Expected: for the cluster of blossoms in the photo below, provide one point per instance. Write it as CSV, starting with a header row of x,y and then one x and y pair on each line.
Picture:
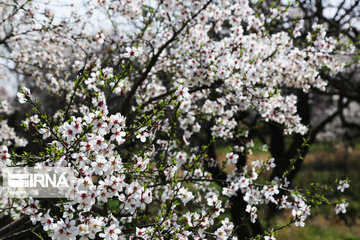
x,y
256,194
5,107
131,126
8,135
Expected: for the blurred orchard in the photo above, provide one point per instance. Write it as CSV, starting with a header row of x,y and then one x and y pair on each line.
x,y
137,96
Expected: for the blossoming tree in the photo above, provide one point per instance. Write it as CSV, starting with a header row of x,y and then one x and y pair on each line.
x,y
144,93
330,115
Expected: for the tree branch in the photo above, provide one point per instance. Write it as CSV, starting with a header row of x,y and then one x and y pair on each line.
x,y
126,104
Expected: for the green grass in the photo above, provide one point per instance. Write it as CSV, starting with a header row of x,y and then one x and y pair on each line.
x,y
326,232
